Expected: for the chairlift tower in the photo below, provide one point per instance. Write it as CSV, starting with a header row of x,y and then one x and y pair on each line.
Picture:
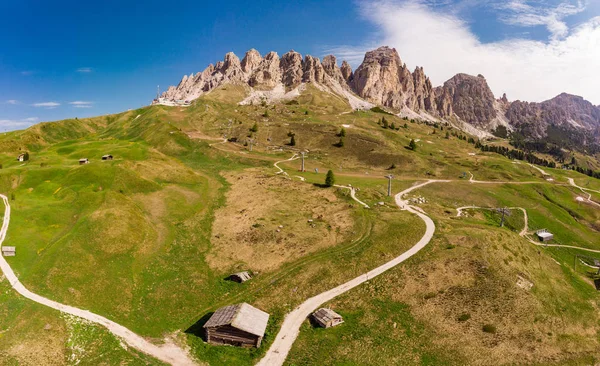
x,y
389,177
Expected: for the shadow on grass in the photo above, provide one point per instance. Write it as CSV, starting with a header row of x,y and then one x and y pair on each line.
x,y
196,329
321,185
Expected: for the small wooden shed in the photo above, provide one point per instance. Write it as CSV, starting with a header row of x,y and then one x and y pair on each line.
x,y
327,318
107,157
239,325
544,235
21,157
83,161
240,277
9,251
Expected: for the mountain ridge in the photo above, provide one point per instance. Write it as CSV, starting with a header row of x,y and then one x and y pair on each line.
x,y
383,79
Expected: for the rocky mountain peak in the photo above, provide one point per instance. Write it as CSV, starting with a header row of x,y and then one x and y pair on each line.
x,y
346,70
470,98
251,61
291,68
313,70
268,72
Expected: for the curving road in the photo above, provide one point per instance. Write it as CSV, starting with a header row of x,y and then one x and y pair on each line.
x,y
169,352
290,328
524,233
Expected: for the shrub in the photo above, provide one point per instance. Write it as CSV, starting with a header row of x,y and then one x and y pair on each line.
x,y
342,132
254,127
266,114
329,179
464,317
489,328
412,145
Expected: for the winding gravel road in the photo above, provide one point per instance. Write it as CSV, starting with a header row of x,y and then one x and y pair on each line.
x,y
288,333
169,352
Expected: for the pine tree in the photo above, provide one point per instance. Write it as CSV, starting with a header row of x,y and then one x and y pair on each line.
x,y
329,179
342,132
254,128
293,140
412,145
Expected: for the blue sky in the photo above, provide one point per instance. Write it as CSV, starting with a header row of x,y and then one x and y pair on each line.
x,y
70,58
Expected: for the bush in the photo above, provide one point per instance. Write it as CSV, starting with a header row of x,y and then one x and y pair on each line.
x,y
342,132
464,317
412,145
489,328
329,179
254,127
266,114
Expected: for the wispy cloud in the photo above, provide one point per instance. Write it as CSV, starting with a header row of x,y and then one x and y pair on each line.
x,y
27,72
12,124
85,70
82,104
528,14
48,105
525,69
12,102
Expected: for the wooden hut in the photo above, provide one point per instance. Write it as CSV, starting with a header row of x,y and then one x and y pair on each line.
x,y
21,157
9,251
83,161
107,157
239,325
544,235
327,318
240,277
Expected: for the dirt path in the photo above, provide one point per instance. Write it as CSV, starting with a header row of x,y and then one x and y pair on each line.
x,y
539,169
290,328
524,233
169,352
589,198
353,194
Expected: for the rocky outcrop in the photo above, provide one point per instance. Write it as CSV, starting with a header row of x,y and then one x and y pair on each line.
x,y
347,71
267,73
564,111
291,69
313,71
251,61
470,98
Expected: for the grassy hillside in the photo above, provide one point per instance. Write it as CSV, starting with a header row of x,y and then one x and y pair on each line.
x,y
149,238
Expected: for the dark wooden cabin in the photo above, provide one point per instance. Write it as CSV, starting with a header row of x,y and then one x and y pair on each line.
x,y
239,325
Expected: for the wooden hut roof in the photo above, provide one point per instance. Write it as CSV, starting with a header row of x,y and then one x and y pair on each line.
x,y
325,315
241,316
244,276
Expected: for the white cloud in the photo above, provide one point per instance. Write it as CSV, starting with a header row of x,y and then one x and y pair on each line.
x,y
522,13
46,104
12,102
11,124
525,69
27,73
81,104
84,69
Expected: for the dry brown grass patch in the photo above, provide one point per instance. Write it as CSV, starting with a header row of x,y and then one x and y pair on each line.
x,y
245,231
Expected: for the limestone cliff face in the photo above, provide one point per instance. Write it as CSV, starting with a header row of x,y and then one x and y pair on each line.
x,y
565,111
383,79
470,98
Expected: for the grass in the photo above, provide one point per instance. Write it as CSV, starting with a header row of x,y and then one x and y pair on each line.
x,y
129,239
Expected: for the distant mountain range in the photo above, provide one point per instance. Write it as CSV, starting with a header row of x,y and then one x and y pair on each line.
x,y
382,79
